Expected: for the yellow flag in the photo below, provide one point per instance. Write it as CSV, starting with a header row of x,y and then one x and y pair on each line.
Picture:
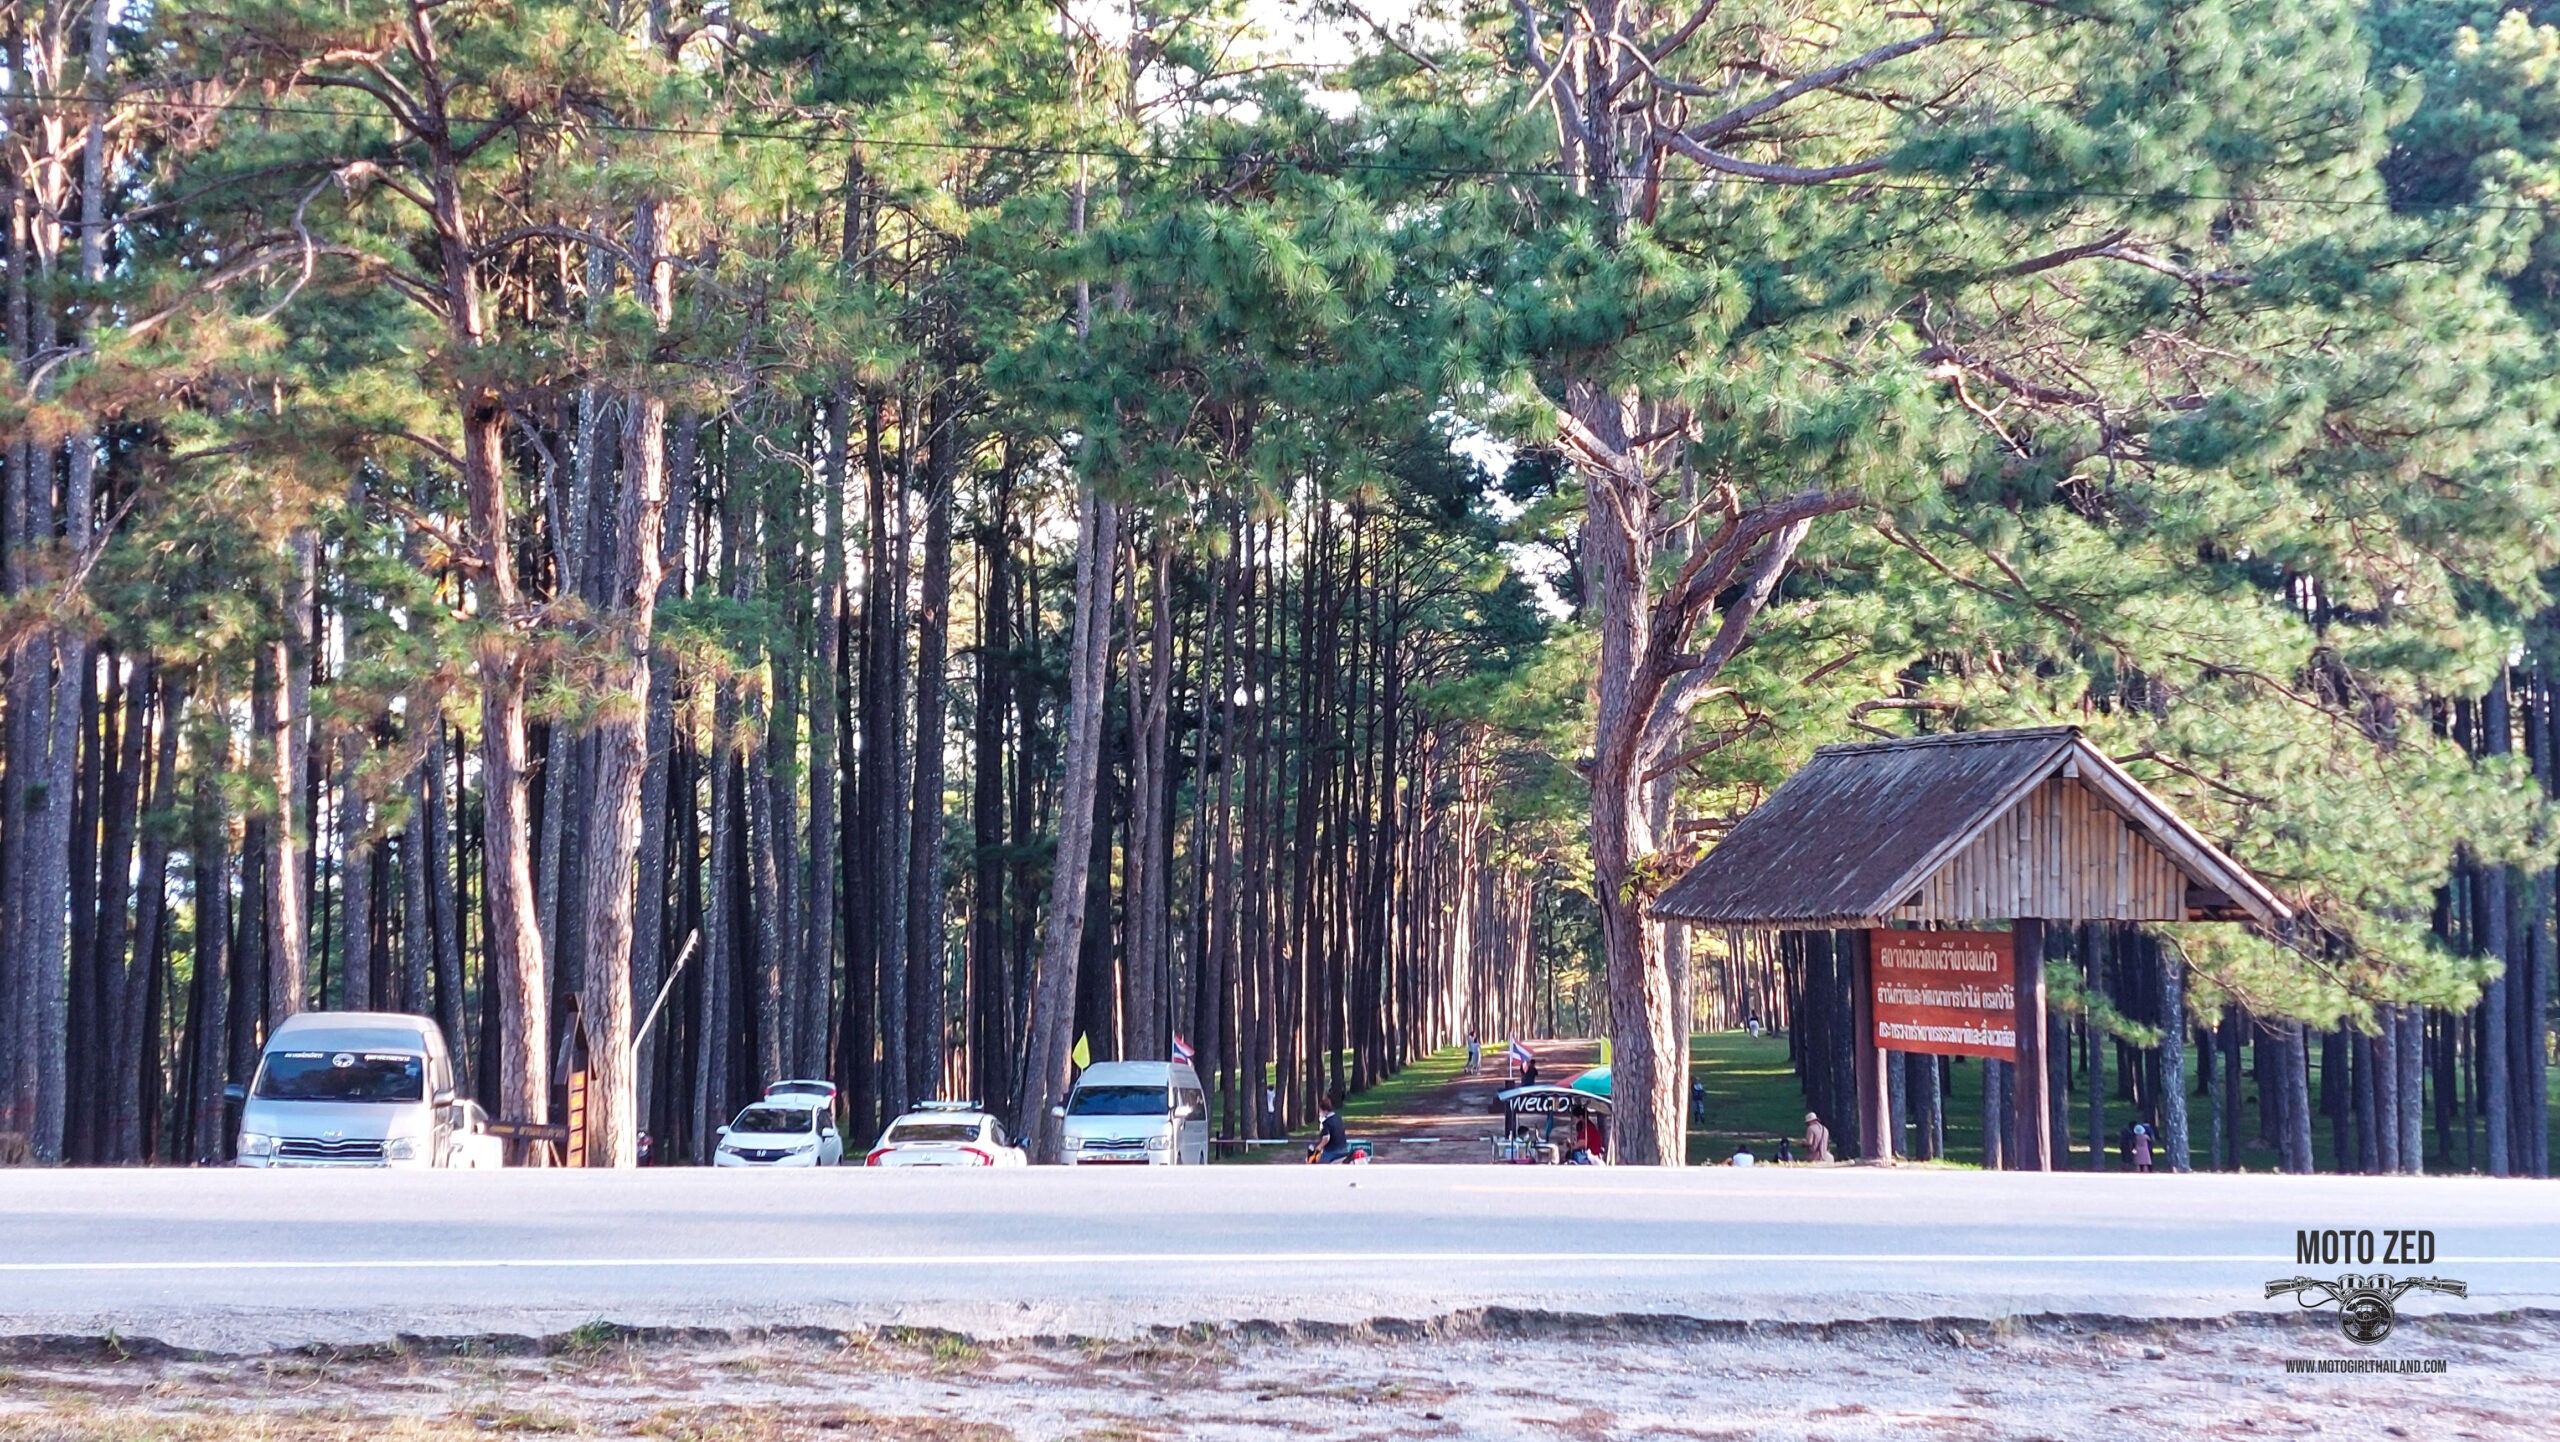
x,y
1604,1051
1083,1054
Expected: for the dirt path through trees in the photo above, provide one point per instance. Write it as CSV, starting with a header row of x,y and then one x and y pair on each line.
x,y
1451,1121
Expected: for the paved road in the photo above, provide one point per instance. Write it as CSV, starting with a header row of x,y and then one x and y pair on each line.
x,y
241,1260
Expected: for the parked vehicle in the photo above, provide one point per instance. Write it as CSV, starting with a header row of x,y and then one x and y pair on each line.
x,y
1142,1113
789,1129
359,1089
946,1134
474,1149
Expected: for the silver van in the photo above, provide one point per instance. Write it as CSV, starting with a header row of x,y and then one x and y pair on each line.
x,y
359,1088
1137,1113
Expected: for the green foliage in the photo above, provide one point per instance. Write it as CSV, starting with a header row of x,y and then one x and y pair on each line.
x,y
2191,359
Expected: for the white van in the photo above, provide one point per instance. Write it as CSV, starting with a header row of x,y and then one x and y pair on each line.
x,y
1144,1113
362,1089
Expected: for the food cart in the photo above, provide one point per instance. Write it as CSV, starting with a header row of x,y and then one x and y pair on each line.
x,y
1552,1124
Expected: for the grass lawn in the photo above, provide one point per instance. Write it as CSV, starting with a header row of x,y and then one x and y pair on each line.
x,y
1752,1097
1392,1097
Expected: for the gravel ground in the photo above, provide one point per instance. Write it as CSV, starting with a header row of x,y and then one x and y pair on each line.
x,y
1489,1375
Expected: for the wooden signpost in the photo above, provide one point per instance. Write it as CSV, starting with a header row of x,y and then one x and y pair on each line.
x,y
1946,993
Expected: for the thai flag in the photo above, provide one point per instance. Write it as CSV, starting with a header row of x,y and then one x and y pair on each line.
x,y
1519,1054
1181,1049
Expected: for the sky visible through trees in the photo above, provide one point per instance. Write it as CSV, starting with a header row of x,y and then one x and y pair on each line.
x,y
930,531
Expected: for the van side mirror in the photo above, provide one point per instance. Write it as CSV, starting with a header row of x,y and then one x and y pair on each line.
x,y
443,1097
235,1093
1184,1110
1059,1112
721,1131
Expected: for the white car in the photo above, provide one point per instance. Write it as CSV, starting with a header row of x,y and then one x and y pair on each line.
x,y
946,1134
474,1149
787,1130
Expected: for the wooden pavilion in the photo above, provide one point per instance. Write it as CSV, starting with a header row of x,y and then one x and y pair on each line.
x,y
2026,827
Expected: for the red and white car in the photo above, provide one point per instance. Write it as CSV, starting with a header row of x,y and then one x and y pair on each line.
x,y
946,1134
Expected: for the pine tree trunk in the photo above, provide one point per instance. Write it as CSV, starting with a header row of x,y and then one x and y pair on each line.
x,y
1995,1114
990,993
650,936
626,626
2174,1129
2377,1102
2293,1060
355,886
924,904
209,1004
1052,1019
417,924
2094,941
719,929
134,1131
883,797
2409,1044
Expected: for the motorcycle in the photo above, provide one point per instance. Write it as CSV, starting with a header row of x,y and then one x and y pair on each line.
x,y
1356,1153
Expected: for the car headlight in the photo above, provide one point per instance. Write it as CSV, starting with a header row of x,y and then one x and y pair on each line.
x,y
1159,1142
256,1144
400,1149
1073,1144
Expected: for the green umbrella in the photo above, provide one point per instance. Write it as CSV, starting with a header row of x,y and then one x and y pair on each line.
x,y
1594,1081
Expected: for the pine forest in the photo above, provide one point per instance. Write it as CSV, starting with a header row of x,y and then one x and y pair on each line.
x,y
900,541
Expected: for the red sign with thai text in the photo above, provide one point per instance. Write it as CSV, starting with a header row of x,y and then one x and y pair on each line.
x,y
1946,993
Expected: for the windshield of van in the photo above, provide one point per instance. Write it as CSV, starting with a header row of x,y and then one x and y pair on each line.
x,y
342,1076
1110,1101
768,1121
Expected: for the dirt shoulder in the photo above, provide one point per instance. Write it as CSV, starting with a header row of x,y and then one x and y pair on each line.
x,y
1487,1375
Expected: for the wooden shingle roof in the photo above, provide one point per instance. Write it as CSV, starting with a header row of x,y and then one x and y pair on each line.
x,y
1978,826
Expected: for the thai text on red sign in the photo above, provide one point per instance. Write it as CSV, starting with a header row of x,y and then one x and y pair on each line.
x,y
1946,993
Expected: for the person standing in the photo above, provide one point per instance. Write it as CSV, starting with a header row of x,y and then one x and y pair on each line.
x,y
1475,1054
2141,1147
1817,1139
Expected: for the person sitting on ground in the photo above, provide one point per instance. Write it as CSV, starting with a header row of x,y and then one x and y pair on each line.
x,y
1817,1139
1333,1142
1742,1158
1786,1149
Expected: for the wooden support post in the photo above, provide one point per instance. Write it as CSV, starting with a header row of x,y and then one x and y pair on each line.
x,y
1875,1097
2031,1081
